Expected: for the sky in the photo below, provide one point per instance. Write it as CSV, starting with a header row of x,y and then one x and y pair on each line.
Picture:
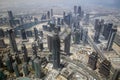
x,y
29,4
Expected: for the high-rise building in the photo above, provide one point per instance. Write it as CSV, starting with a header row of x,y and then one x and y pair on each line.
x,y
117,39
58,21
79,10
37,67
1,62
40,43
96,24
50,43
77,37
68,19
16,70
29,33
87,19
67,42
106,30
8,62
12,40
75,9
36,33
2,44
85,36
116,75
48,14
25,69
111,38
51,12
2,75
93,60
104,68
11,19
56,51
23,34
97,33
2,33
17,59
34,49
25,53
10,14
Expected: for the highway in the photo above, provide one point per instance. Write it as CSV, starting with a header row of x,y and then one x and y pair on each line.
x,y
96,48
79,64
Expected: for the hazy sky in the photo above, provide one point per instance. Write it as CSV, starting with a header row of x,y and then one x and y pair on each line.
x,y
21,4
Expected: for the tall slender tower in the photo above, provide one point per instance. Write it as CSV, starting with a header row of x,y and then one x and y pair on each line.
x,y
11,18
97,33
56,51
67,44
111,38
12,40
23,34
36,33
37,67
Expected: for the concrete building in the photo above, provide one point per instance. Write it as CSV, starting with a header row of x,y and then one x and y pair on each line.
x,y
25,69
56,51
23,34
104,68
111,38
11,36
50,43
85,36
97,32
92,62
77,37
16,70
67,42
36,33
2,34
2,44
106,30
75,9
37,67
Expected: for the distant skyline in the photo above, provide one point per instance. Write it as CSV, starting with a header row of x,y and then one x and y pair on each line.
x,y
30,4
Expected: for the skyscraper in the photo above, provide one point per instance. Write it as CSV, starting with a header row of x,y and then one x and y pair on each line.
x,y
23,34
37,67
51,12
79,10
40,43
8,62
2,33
36,33
10,14
106,30
85,36
48,14
77,37
25,69
111,38
67,44
97,33
11,36
25,53
93,60
50,43
75,9
11,18
96,23
56,51
104,68
16,70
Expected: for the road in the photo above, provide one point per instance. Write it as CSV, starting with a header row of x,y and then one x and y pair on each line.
x,y
96,48
79,64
